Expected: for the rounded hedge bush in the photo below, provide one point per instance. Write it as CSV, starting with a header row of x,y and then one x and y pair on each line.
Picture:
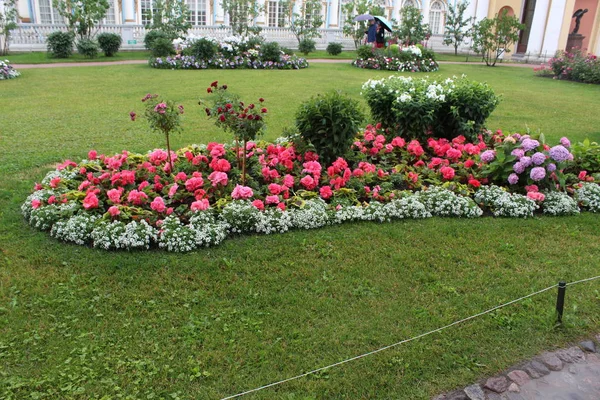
x,y
60,44
88,48
306,46
152,36
334,48
109,43
270,51
162,47
202,49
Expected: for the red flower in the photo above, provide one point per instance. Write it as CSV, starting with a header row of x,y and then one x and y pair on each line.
x,y
261,99
263,110
447,172
132,115
214,84
222,118
474,182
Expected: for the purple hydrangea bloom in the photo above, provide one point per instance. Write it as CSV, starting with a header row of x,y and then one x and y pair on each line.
x,y
513,179
518,153
526,161
518,167
488,156
517,136
537,173
559,153
538,158
565,142
530,144
551,167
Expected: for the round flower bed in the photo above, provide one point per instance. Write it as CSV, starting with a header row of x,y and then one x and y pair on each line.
x,y
7,71
220,62
407,59
129,201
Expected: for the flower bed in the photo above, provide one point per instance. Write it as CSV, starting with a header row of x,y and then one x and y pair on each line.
x,y
7,71
407,59
129,201
220,62
573,66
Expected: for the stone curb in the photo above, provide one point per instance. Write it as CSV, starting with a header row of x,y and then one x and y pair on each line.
x,y
507,385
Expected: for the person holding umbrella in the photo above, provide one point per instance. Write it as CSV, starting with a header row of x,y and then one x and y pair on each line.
x,y
380,37
371,32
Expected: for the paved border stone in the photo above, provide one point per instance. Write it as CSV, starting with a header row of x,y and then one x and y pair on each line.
x,y
536,369
551,361
588,345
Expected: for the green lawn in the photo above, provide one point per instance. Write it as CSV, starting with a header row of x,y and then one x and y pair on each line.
x,y
82,323
40,57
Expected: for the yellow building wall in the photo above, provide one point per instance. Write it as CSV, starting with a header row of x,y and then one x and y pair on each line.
x,y
516,5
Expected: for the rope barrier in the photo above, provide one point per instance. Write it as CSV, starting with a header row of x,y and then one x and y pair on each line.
x,y
403,341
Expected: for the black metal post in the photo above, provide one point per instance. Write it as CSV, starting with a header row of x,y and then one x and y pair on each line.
x,y
560,300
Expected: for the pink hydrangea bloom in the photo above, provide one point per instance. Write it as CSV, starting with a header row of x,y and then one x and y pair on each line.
x,y
325,192
192,184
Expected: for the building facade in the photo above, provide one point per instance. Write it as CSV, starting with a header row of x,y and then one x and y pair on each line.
x,y
548,23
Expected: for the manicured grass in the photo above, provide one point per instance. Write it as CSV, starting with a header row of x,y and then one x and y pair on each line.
x,y
82,323
322,54
43,57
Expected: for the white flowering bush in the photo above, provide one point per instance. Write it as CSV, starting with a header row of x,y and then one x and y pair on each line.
x,y
274,221
405,59
77,229
589,196
208,230
504,204
7,71
119,235
310,215
408,207
559,203
241,216
442,202
486,196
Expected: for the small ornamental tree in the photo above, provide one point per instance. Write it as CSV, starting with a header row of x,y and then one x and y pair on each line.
x,y
245,121
170,17
241,15
82,15
492,37
306,24
356,30
412,30
457,24
8,22
164,117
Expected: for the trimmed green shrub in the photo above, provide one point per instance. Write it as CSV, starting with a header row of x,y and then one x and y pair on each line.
x,y
329,122
270,51
109,43
202,49
334,48
152,36
306,46
287,51
87,47
162,47
60,44
364,52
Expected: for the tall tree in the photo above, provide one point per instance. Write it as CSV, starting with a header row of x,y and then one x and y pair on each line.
x,y
171,17
82,15
412,30
493,37
8,22
306,23
241,15
457,25
356,30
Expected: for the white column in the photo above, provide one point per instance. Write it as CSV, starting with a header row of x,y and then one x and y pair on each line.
x,y
334,13
396,9
553,28
129,12
425,11
262,17
219,14
482,10
538,25
23,10
471,8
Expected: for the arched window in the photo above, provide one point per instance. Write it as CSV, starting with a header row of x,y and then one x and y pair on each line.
x,y
437,17
197,11
410,3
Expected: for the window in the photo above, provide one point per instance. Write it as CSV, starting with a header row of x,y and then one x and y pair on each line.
x,y
410,3
436,18
197,11
48,14
314,9
110,18
276,14
146,9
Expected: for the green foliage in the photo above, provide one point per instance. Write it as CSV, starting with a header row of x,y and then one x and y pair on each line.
x,y
87,48
411,29
152,36
334,48
270,52
352,8
82,15
202,49
241,15
456,30
171,17
109,43
492,37
306,24
364,52
575,66
586,156
330,122
287,51
306,46
162,47
60,44
8,22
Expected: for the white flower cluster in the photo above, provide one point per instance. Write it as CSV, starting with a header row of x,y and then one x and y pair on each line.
x,y
241,216
77,229
43,218
504,204
118,235
559,203
312,214
7,71
435,92
175,236
208,230
409,207
274,221
63,174
589,196
413,49
445,203
42,195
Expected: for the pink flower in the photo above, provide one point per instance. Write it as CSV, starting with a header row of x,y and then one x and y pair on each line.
x,y
54,182
413,177
216,149
474,182
531,188
181,176
35,204
160,108
114,211
447,172
259,204
537,196
398,142
200,205
325,192
288,181
469,163
414,148
143,185
92,155
90,201
582,175
281,206
453,153
308,182
218,178
242,192
312,167
136,197
194,183
37,187
114,195
158,205
173,190
220,164
272,199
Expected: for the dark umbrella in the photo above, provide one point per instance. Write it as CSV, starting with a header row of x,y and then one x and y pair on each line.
x,y
387,25
363,17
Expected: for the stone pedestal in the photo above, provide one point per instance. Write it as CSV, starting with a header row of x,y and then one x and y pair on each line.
x,y
575,41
